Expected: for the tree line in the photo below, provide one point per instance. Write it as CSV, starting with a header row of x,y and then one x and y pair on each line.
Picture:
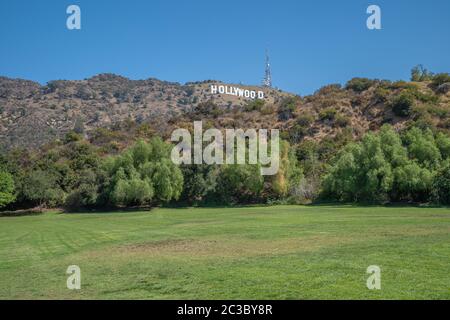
x,y
75,175
412,165
389,166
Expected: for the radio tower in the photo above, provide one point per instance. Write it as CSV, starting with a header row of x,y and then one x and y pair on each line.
x,y
267,81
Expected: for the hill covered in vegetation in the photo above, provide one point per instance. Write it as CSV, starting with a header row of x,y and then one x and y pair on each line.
x,y
104,142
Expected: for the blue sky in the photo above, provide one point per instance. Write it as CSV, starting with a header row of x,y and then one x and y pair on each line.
x,y
311,43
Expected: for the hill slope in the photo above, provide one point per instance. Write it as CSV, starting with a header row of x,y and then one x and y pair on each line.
x,y
32,115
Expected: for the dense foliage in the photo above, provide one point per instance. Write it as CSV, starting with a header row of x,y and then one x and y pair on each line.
x,y
388,166
74,174
6,189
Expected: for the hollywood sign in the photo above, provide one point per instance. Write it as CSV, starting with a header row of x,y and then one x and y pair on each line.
x,y
235,91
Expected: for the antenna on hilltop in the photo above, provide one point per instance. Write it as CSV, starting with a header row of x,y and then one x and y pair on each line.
x,y
267,81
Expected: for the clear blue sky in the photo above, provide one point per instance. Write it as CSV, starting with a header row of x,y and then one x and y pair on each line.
x,y
311,43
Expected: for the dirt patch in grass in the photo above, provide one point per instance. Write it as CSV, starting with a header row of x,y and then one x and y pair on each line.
x,y
221,247
218,247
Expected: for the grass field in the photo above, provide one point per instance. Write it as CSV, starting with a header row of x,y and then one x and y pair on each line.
x,y
283,252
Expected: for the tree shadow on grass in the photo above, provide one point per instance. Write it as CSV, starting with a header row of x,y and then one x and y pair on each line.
x,y
113,210
374,205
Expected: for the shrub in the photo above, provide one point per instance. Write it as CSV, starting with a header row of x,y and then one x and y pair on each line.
x,y
255,105
342,121
72,136
208,108
329,89
305,120
360,84
267,109
381,94
440,79
328,114
297,132
287,109
402,104
403,85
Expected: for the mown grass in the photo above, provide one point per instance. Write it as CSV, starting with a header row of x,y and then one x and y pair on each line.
x,y
282,252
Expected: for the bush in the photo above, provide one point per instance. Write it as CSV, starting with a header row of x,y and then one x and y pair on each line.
x,y
301,128
255,105
328,114
359,84
287,109
342,121
402,105
329,89
305,120
208,108
381,94
267,109
440,79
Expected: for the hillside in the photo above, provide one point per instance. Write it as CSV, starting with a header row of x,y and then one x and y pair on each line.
x,y
100,142
32,115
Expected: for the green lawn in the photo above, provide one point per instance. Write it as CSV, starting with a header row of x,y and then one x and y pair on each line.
x,y
282,252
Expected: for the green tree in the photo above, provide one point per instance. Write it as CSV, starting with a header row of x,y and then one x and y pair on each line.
x,y
239,183
392,147
143,175
443,143
361,173
422,147
6,189
340,183
199,181
41,188
85,190
412,183
441,184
